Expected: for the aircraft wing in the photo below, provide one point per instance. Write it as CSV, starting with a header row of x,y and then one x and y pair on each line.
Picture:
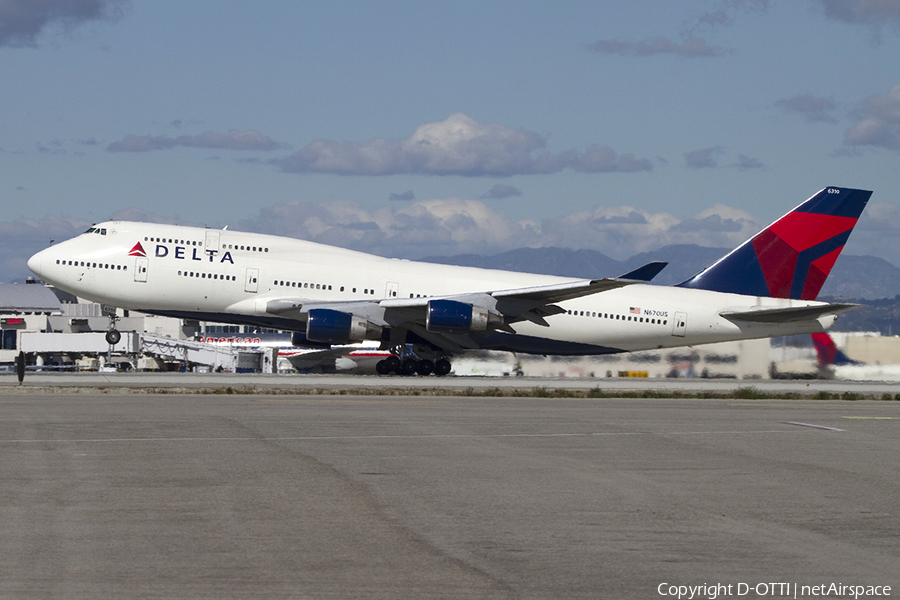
x,y
493,310
513,299
303,361
788,315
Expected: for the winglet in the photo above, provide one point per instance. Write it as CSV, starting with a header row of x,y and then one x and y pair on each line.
x,y
791,257
645,273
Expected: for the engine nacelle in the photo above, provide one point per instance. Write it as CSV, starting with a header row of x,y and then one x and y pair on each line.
x,y
450,316
298,339
327,326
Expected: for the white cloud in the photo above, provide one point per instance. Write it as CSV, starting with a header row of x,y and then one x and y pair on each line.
x,y
867,12
458,145
726,12
457,226
878,232
704,158
691,47
500,191
816,109
233,140
880,122
21,21
406,196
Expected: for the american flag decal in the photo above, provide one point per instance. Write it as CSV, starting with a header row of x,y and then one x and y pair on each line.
x,y
635,310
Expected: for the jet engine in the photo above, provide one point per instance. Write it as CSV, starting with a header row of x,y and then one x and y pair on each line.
x,y
450,316
327,326
299,340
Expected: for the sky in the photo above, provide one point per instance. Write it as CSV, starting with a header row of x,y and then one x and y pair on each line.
x,y
415,129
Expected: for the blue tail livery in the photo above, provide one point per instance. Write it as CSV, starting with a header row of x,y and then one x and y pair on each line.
x,y
792,257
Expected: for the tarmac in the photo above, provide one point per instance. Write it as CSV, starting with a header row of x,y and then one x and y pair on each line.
x,y
134,487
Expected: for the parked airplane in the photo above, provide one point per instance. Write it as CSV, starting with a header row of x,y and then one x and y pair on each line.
x,y
359,357
327,296
828,354
834,364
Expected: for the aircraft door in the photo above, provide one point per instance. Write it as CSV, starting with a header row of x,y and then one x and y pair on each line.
x,y
679,324
212,241
141,265
391,289
251,280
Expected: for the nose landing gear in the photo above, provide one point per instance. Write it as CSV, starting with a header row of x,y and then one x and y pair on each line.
x,y
113,336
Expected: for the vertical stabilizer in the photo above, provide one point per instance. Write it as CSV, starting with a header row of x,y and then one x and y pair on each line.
x,y
792,257
828,353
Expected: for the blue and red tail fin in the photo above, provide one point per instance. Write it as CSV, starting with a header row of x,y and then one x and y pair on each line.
x,y
828,352
792,257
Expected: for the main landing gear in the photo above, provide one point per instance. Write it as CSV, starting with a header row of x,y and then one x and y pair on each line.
x,y
406,362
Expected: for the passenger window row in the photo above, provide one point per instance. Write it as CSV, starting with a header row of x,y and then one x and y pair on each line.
x,y
75,263
171,241
160,240
297,284
248,248
207,275
319,286
620,317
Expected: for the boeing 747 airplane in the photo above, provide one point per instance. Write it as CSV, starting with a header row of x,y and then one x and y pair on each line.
x,y
333,296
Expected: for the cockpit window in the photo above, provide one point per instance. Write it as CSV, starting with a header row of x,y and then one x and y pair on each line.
x,y
101,231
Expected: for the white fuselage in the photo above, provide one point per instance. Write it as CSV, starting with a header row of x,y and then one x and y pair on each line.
x,y
230,276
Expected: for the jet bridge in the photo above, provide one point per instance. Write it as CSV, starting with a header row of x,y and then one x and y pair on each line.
x,y
166,349
216,356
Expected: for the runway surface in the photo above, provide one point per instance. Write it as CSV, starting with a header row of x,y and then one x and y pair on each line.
x,y
113,494
305,383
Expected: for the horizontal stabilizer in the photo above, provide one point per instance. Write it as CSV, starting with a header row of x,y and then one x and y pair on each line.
x,y
645,273
788,315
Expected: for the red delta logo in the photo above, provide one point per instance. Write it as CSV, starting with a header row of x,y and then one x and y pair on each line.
x,y
138,250
183,253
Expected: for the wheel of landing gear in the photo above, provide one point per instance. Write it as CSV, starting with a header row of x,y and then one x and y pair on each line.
x,y
409,367
381,367
392,363
113,337
424,368
442,367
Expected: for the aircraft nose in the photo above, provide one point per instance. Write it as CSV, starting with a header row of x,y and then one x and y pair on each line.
x,y
35,263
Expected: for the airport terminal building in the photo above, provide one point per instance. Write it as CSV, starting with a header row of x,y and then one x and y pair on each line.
x,y
55,329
